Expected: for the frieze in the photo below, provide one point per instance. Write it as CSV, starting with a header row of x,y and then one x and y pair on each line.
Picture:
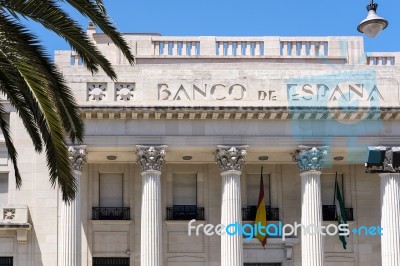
x,y
261,91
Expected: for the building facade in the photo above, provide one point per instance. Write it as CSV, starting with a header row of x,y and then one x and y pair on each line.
x,y
183,135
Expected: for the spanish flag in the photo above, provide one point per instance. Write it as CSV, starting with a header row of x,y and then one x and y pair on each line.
x,y
261,216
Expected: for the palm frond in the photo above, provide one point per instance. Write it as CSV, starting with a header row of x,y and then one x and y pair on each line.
x,y
51,16
21,50
12,152
11,86
94,11
37,90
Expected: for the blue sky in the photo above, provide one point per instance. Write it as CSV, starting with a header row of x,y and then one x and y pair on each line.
x,y
245,18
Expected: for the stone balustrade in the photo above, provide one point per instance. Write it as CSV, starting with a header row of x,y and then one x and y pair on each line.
x,y
245,47
175,46
304,48
383,59
337,50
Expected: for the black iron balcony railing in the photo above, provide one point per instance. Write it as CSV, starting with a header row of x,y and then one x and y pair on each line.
x,y
6,261
110,261
111,213
249,213
329,213
262,264
185,212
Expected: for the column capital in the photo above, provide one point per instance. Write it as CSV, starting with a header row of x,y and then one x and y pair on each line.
x,y
310,158
383,159
151,157
77,156
230,157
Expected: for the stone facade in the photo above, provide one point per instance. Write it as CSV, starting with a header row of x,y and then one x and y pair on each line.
x,y
193,94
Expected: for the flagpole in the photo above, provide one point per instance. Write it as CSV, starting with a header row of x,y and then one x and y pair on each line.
x,y
261,214
334,193
344,201
269,191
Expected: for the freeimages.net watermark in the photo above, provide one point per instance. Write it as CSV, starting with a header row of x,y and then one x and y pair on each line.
x,y
250,231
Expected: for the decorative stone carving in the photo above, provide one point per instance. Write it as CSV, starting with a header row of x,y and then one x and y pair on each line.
x,y
97,91
230,157
77,156
8,214
387,165
151,157
124,91
388,162
310,158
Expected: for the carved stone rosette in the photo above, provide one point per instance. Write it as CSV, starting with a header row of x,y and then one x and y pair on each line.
x,y
230,157
77,157
310,158
151,157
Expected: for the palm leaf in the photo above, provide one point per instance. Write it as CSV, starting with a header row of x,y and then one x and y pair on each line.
x,y
10,87
49,14
12,152
37,90
27,57
94,10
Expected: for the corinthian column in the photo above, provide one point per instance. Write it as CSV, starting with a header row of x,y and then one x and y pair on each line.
x,y
230,161
390,210
310,161
390,220
70,220
151,160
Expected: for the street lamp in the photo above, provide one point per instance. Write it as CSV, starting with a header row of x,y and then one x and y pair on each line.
x,y
373,24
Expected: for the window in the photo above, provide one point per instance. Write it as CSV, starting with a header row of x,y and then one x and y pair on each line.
x,y
110,261
3,189
328,188
253,189
111,199
253,192
6,261
185,189
184,198
328,196
111,187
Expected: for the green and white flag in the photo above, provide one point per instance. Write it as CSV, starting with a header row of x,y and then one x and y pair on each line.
x,y
340,213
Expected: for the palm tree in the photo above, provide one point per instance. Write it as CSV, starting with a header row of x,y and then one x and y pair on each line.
x,y
34,87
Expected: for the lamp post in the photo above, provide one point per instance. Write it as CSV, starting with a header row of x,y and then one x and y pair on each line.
x,y
373,24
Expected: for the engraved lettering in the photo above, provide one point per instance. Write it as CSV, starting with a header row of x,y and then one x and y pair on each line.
x,y
180,91
204,93
307,89
242,91
214,88
375,91
163,94
262,95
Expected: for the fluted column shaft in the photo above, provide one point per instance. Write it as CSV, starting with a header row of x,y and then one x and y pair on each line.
x,y
151,160
390,219
231,212
70,214
151,232
311,214
70,226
